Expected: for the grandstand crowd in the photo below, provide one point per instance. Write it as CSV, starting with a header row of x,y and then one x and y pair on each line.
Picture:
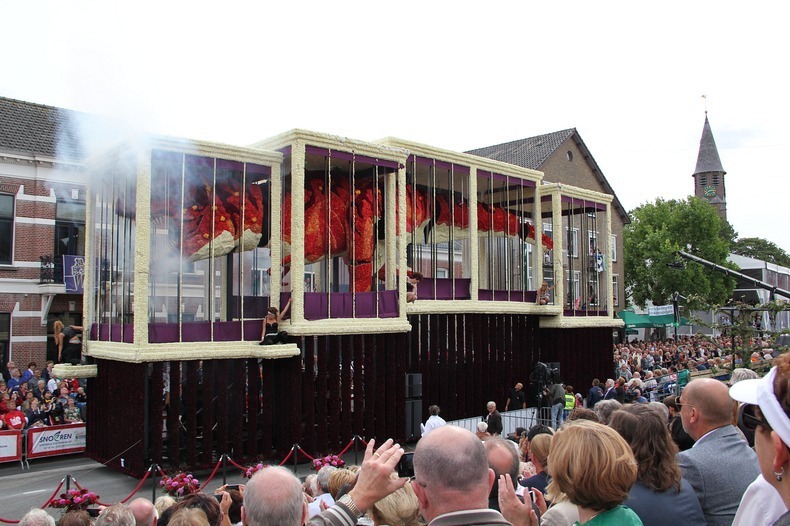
x,y
34,397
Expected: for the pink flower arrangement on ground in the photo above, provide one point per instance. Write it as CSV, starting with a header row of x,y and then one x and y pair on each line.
x,y
252,470
329,460
75,500
180,485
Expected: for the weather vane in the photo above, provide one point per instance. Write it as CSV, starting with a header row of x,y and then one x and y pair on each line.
x,y
705,98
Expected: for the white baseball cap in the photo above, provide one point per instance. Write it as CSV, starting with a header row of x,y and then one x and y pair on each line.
x,y
761,393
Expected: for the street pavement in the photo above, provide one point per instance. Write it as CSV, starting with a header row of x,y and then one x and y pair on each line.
x,y
23,489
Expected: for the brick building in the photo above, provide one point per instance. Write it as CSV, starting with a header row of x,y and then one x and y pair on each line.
x,y
563,158
42,218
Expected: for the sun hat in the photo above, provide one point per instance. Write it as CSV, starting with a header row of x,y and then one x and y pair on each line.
x,y
761,393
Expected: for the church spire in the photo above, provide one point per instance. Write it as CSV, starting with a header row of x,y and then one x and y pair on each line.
x,y
708,157
709,173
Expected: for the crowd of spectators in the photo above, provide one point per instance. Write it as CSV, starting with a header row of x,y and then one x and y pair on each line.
x,y
614,463
35,398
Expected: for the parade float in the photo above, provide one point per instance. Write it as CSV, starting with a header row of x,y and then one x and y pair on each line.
x,y
190,243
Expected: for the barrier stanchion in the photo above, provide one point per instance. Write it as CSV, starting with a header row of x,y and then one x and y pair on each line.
x,y
356,450
224,469
153,484
296,464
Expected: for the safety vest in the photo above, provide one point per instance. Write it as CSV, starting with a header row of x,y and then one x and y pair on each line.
x,y
570,401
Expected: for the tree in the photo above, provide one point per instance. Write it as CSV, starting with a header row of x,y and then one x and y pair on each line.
x,y
759,248
657,231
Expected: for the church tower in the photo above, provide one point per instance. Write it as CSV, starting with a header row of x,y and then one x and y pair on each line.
x,y
709,174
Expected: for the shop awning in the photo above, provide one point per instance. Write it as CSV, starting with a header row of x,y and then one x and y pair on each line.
x,y
644,321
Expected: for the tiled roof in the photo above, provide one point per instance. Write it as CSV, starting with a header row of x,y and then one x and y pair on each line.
x,y
26,127
531,152
708,158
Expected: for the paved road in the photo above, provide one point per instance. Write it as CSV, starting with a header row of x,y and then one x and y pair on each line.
x,y
22,490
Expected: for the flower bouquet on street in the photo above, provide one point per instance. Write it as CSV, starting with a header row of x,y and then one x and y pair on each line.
x,y
180,485
252,470
329,460
74,500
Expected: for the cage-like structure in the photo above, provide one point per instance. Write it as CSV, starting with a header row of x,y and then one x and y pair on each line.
x,y
181,250
189,243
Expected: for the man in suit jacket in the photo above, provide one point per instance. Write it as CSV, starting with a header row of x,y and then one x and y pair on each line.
x,y
493,419
720,465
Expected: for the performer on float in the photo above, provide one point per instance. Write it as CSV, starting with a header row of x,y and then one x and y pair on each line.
x,y
270,333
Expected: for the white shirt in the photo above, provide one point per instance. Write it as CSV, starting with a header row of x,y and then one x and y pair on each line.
x,y
432,423
314,508
761,505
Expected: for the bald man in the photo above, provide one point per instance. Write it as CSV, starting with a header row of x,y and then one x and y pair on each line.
x,y
720,465
452,479
515,398
143,511
273,496
502,458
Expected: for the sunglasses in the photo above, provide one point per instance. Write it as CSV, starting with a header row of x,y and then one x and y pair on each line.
x,y
750,419
680,403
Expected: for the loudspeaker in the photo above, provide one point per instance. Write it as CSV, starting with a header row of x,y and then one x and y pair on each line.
x,y
413,418
413,385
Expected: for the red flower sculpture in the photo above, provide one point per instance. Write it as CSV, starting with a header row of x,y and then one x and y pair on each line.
x,y
329,460
252,470
74,500
180,485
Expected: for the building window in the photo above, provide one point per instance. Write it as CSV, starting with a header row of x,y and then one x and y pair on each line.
x,y
569,155
703,180
614,247
715,180
69,233
616,290
6,229
573,243
572,290
5,337
548,260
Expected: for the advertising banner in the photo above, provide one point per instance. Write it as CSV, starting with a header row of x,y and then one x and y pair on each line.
x,y
661,310
73,273
10,446
55,440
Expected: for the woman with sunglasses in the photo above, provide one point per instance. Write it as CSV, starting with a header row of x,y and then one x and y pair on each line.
x,y
766,409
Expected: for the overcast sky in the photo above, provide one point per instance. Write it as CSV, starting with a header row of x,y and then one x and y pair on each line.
x,y
628,76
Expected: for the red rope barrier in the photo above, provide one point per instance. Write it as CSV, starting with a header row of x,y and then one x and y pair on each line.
x,y
54,493
287,457
9,521
140,485
345,450
233,463
363,441
219,463
305,454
